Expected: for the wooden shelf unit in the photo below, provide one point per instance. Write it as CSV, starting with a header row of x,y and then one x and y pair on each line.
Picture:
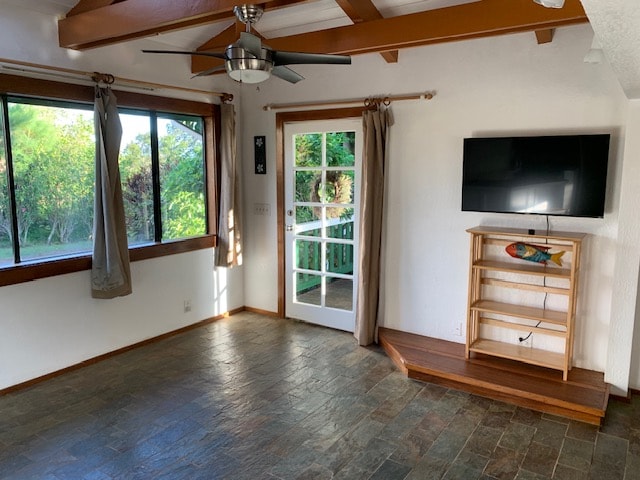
x,y
483,310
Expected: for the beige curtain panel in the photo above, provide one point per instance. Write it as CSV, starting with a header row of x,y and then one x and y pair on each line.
x,y
376,124
110,270
229,245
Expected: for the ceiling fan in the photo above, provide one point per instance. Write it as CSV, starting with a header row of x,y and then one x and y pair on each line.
x,y
249,61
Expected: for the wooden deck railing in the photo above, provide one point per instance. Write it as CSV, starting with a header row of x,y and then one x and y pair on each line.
x,y
339,256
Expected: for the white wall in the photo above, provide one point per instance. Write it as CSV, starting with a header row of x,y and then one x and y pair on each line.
x,y
50,324
500,85
495,86
53,323
627,267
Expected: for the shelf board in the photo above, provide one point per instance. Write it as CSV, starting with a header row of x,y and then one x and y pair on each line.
x,y
564,236
533,356
522,328
494,282
520,311
531,269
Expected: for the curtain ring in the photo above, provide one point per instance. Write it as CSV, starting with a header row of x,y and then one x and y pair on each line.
x,y
105,78
386,101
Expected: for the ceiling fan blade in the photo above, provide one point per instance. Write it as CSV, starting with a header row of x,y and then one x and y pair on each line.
x,y
286,74
250,43
211,71
299,58
204,54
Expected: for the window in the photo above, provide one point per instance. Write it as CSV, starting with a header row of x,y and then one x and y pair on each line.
x,y
47,151
6,253
182,186
136,177
181,176
52,152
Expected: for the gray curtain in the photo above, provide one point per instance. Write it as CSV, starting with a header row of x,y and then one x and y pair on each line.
x,y
229,246
110,271
376,125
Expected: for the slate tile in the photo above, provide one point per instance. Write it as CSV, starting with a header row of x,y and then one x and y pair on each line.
x,y
484,440
582,431
447,446
550,433
517,436
390,470
429,468
526,416
497,419
632,469
610,456
504,464
576,454
564,472
252,397
540,459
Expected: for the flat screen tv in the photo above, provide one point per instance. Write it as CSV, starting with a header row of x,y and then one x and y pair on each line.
x,y
547,175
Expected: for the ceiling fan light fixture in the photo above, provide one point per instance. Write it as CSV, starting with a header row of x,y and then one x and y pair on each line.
x,y
244,67
550,3
248,76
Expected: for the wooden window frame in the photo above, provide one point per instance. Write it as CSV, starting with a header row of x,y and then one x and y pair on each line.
x,y
46,89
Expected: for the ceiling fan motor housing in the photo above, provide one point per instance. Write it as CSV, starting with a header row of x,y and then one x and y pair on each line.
x,y
248,14
249,61
246,68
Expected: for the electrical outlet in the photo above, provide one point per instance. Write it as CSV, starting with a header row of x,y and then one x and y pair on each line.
x,y
187,306
263,209
458,330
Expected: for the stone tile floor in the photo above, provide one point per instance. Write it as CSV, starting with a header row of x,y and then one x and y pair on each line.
x,y
252,397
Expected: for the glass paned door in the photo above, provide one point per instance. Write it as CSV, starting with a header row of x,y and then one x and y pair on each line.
x,y
322,191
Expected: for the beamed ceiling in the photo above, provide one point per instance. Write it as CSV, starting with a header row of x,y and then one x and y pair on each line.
x,y
349,27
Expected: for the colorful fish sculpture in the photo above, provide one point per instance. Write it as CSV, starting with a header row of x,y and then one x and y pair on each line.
x,y
534,253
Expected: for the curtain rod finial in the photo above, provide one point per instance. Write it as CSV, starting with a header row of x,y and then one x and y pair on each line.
x,y
226,98
103,78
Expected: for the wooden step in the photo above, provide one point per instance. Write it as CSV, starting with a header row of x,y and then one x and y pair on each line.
x,y
584,396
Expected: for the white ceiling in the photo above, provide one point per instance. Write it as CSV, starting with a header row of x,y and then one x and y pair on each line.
x,y
51,7
616,24
276,23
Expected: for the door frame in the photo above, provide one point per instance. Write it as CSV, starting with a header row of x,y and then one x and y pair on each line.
x,y
281,119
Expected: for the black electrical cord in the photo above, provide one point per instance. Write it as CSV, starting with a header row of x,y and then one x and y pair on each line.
x,y
547,241
546,294
524,339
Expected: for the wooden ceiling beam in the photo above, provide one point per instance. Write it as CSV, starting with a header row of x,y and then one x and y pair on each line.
x,y
224,38
472,20
118,21
365,11
545,36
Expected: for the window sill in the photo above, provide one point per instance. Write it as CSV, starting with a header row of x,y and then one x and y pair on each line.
x,y
35,270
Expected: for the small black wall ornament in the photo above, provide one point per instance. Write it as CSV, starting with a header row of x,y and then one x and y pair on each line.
x,y
260,155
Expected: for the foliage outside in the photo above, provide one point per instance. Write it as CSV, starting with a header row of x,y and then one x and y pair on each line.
x,y
339,148
53,150
324,173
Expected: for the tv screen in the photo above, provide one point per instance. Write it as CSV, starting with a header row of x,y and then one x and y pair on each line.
x,y
547,175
